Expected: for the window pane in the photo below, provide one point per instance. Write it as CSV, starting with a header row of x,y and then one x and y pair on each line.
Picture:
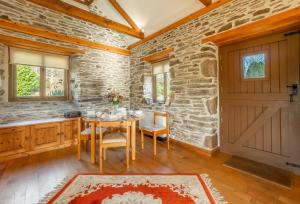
x,y
28,80
254,66
55,82
148,89
168,84
160,89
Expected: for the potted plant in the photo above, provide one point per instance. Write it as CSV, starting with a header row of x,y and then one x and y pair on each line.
x,y
115,99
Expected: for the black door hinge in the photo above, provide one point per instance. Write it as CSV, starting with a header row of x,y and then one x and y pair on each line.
x,y
292,33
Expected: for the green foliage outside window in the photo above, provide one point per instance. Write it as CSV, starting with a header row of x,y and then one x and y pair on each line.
x,y
28,81
160,87
254,66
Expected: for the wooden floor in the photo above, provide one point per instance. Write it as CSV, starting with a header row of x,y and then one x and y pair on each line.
x,y
27,180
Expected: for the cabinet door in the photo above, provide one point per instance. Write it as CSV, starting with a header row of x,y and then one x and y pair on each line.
x,y
69,131
45,135
14,140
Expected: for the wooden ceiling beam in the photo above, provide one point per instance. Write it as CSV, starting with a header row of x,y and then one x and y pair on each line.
x,y
85,2
123,13
60,6
27,29
37,46
206,2
183,21
289,19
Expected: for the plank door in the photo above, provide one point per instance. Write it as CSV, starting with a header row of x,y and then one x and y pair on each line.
x,y
258,121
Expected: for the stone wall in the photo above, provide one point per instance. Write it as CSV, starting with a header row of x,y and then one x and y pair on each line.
x,y
194,66
91,74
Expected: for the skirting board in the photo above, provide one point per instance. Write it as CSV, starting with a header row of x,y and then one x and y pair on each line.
x,y
199,150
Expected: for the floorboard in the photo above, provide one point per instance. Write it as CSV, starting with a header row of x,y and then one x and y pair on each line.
x,y
27,180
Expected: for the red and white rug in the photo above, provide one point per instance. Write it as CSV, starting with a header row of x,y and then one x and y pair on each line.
x,y
142,189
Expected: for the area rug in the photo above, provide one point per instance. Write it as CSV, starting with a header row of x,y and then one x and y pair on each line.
x,y
140,189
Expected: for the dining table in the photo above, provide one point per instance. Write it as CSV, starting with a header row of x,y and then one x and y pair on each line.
x,y
133,119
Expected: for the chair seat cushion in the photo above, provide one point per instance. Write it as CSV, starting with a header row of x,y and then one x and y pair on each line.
x,y
152,127
114,137
88,131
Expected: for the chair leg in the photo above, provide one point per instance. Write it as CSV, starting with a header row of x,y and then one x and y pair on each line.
x,y
101,159
127,156
154,145
168,141
79,149
87,146
142,139
104,154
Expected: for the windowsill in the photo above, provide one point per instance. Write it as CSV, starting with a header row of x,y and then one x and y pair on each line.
x,y
158,104
37,99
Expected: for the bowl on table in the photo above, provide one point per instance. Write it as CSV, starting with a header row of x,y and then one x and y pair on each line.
x,y
138,113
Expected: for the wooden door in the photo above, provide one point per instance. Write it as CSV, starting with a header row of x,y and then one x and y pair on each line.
x,y
13,141
45,136
256,112
69,132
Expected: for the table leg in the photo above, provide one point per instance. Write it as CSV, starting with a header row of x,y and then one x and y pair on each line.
x,y
93,143
133,139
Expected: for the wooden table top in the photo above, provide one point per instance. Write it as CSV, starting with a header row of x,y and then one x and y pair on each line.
x,y
106,119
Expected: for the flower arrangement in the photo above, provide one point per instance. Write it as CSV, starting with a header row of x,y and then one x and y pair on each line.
x,y
114,97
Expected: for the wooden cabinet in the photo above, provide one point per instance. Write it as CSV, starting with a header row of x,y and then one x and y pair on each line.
x,y
45,135
14,140
69,131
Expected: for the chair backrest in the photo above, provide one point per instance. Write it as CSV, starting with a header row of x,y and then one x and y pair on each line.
x,y
114,124
162,119
82,124
157,118
148,118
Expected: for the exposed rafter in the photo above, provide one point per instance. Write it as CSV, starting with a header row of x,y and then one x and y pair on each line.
x,y
37,46
86,2
123,13
60,6
206,2
27,29
184,20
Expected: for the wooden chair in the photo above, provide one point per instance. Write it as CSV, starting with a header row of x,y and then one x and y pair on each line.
x,y
84,134
113,139
154,129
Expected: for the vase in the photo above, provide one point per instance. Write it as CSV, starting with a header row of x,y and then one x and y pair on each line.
x,y
115,108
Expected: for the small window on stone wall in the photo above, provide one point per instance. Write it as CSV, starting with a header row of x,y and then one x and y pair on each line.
x,y
37,76
254,66
161,81
148,96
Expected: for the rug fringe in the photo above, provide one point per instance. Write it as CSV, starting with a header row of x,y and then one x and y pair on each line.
x,y
219,199
57,188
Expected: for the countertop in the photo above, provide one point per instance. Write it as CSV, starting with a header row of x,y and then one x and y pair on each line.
x,y
34,122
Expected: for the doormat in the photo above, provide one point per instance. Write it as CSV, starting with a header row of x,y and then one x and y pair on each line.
x,y
139,188
260,170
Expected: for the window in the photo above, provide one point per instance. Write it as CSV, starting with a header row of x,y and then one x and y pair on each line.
x,y
161,81
254,66
37,76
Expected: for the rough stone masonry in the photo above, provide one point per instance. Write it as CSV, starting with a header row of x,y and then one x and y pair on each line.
x,y
194,67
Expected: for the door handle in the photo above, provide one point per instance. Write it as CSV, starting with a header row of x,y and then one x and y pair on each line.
x,y
293,91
